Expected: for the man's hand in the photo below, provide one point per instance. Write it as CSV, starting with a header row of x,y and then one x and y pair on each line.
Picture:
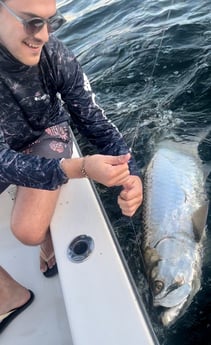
x,y
131,196
108,170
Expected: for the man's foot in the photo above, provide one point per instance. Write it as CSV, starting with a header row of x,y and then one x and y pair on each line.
x,y
48,264
14,298
6,318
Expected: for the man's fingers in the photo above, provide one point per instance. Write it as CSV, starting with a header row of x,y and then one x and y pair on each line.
x,y
117,160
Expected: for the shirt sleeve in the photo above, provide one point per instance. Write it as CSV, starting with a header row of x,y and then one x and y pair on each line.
x,y
88,116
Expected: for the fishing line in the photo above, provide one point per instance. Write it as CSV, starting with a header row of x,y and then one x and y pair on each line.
x,y
148,87
141,112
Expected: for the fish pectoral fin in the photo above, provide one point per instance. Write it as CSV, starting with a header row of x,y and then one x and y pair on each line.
x,y
199,220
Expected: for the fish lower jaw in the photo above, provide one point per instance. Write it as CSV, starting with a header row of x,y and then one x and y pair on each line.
x,y
168,316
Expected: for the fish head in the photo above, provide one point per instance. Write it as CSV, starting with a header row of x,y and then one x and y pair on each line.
x,y
168,284
169,313
170,273
172,278
170,292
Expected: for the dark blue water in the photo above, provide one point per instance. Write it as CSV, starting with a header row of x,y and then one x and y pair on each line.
x,y
149,63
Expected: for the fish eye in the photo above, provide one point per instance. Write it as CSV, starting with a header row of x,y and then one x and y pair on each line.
x,y
158,286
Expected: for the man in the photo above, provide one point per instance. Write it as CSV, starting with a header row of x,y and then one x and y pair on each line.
x,y
36,72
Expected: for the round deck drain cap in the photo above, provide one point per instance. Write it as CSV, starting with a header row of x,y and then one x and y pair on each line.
x,y
80,248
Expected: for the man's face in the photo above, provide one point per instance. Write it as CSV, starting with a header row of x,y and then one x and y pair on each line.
x,y
23,46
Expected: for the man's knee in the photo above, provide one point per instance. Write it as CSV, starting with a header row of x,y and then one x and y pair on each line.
x,y
27,234
32,213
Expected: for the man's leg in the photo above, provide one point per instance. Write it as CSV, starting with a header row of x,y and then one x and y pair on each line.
x,y
34,208
31,216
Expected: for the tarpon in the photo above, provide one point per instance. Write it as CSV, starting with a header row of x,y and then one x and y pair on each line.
x,y
174,216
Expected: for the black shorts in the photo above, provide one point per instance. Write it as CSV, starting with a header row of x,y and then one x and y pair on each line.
x,y
55,142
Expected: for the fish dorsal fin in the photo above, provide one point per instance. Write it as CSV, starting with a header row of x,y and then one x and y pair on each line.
x,y
199,220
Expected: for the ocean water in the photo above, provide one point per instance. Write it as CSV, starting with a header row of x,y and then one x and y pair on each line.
x,y
149,63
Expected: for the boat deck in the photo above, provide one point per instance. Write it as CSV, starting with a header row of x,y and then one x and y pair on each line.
x,y
45,320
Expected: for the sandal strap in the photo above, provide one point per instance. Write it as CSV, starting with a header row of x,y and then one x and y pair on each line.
x,y
44,256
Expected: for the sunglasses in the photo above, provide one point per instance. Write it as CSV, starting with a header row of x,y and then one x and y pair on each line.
x,y
33,25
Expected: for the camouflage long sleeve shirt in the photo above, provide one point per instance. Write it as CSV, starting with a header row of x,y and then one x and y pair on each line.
x,y
29,104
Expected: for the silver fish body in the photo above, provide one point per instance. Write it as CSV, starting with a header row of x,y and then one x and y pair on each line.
x,y
174,215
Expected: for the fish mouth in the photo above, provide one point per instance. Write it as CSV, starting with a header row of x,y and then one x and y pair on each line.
x,y
173,298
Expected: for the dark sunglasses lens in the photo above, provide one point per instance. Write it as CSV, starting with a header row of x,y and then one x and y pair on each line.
x,y
55,23
34,25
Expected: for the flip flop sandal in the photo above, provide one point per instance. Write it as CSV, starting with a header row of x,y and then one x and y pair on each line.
x,y
6,318
50,272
